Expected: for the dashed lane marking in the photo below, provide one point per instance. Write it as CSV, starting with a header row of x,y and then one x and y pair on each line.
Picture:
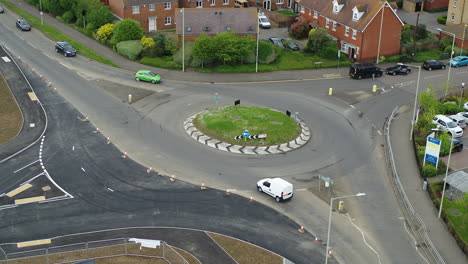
x,y
83,169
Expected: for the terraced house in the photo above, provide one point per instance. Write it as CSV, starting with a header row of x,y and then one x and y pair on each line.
x,y
363,29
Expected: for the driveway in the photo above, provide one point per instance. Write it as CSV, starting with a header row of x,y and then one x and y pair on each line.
x,y
428,19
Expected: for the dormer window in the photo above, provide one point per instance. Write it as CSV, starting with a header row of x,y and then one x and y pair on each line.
x,y
337,5
358,11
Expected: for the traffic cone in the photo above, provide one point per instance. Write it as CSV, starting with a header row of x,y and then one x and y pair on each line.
x,y
96,131
172,178
228,192
49,84
108,141
38,102
19,58
33,70
27,65
301,230
330,254
203,187
316,240
55,90
251,199
149,170
125,155
40,76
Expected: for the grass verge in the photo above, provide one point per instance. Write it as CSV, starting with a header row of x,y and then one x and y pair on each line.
x,y
10,116
58,35
164,62
224,123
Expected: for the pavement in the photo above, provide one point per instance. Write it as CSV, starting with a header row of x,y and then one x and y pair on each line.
x,y
404,153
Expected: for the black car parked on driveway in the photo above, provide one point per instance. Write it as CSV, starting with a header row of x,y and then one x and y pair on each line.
x,y
433,64
65,48
23,25
398,69
290,44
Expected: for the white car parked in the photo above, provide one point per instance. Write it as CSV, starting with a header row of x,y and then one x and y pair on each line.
x,y
464,115
465,105
446,124
276,188
460,120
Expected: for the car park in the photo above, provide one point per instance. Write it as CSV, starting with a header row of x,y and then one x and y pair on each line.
x,y
1,9
277,188
290,44
459,120
276,42
65,48
23,24
447,125
459,61
398,69
147,76
457,145
359,71
464,115
433,64
263,21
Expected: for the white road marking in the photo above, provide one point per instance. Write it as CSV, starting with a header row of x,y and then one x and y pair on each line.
x,y
378,131
25,166
434,76
301,190
352,106
415,242
110,189
65,65
73,148
364,238
85,76
464,72
83,169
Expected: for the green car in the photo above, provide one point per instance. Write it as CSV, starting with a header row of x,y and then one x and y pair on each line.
x,y
147,76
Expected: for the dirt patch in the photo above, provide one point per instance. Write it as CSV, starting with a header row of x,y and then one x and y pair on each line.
x,y
244,253
11,119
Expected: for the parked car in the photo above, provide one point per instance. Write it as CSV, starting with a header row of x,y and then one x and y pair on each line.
x,y
290,44
263,21
65,48
433,64
398,69
276,188
459,61
447,125
465,105
277,42
464,115
459,120
359,71
1,9
23,25
457,145
147,76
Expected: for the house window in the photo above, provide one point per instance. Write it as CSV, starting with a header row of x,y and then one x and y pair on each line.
x,y
310,12
207,29
315,14
151,7
334,26
452,18
167,5
213,2
135,9
167,20
354,34
302,9
355,16
228,28
279,2
335,9
327,23
199,4
346,33
344,48
225,2
454,3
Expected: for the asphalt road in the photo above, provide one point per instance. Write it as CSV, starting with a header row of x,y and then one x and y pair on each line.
x,y
346,146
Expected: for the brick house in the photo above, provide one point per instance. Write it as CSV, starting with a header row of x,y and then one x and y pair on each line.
x,y
209,21
363,29
206,3
273,4
419,5
153,15
457,22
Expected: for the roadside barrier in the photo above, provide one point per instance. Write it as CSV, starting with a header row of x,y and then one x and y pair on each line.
x,y
330,91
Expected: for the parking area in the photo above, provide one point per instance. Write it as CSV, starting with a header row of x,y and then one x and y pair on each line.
x,y
459,160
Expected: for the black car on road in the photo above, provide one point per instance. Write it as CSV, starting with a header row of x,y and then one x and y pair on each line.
x,y
23,25
290,44
398,69
1,9
359,71
65,48
433,64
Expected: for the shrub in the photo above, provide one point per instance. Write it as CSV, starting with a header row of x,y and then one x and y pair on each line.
x,y
449,108
68,17
300,28
329,52
442,20
105,32
429,170
147,42
127,29
90,27
396,58
318,40
266,53
130,49
445,42
188,53
99,16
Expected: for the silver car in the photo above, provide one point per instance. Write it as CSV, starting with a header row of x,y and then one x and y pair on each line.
x,y
460,120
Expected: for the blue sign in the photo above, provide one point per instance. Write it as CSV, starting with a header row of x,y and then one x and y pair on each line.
x,y
246,133
434,140
431,159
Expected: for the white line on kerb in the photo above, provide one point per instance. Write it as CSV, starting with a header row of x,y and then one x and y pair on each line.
x,y
83,169
25,166
110,189
378,131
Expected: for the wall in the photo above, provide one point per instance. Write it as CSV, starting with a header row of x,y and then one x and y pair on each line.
x,y
159,12
435,4
117,7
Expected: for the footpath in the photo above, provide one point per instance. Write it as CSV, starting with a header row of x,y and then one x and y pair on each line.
x,y
403,151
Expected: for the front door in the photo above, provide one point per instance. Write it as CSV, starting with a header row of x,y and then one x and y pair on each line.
x,y
353,54
296,7
152,23
289,3
267,5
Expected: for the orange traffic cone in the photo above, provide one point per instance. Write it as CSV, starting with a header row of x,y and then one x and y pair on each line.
x,y
49,84
38,102
97,130
55,90
203,187
316,240
228,192
330,254
251,199
125,155
301,230
108,141
172,178
149,170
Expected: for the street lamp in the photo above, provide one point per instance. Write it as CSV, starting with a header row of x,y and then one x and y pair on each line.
x,y
451,56
40,11
463,39
183,39
461,94
258,35
446,173
380,33
413,121
329,220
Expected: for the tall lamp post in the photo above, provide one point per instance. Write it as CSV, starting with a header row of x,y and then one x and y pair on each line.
x,y
258,35
463,39
462,93
446,173
329,220
183,39
451,56
380,33
40,12
413,121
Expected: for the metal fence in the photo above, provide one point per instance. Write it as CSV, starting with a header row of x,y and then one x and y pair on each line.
x,y
72,253
413,220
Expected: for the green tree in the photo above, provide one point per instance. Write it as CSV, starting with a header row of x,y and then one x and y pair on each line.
x,y
127,29
421,32
53,6
99,16
318,40
429,100
204,48
225,42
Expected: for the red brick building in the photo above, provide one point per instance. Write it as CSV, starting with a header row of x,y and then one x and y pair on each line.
x,y
206,3
363,29
273,4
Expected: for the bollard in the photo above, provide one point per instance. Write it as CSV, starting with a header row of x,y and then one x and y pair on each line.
x,y
330,91
129,98
341,206
374,88
424,185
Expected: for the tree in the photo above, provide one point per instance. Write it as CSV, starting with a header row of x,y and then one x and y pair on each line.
x,y
53,6
421,32
99,16
127,29
318,40
429,99
225,42
300,28
204,48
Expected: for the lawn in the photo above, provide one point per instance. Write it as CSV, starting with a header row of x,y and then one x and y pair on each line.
x,y
161,62
57,35
10,116
224,123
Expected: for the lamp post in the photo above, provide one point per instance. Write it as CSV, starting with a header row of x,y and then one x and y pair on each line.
x,y
258,36
329,220
183,39
461,94
40,11
451,56
446,173
413,121
380,33
463,39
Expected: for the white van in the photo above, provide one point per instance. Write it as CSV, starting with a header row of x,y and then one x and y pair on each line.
x,y
447,125
263,21
277,188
